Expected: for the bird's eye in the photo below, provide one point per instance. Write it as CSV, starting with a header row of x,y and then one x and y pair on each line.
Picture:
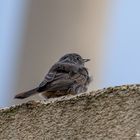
x,y
78,58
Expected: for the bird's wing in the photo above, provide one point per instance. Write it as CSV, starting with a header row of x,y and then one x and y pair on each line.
x,y
60,78
66,81
55,81
48,78
57,72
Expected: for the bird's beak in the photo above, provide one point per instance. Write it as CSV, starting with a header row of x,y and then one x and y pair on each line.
x,y
86,60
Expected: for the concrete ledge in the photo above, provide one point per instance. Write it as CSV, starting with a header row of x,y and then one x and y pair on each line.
x,y
107,114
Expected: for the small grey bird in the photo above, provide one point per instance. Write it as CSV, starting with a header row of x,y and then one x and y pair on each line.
x,y
67,76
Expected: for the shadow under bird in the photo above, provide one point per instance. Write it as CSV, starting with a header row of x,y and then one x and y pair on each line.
x,y
67,76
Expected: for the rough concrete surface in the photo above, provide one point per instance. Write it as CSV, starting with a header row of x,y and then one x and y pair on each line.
x,y
107,114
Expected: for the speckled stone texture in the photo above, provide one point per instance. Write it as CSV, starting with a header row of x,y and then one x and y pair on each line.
x,y
107,114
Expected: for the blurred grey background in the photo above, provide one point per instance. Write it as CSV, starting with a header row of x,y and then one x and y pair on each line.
x,y
34,34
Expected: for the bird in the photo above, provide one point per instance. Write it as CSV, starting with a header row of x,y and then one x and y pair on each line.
x,y
67,76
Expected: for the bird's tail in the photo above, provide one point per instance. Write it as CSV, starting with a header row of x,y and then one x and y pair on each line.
x,y
26,94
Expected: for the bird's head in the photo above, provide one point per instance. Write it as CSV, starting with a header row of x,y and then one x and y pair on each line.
x,y
73,58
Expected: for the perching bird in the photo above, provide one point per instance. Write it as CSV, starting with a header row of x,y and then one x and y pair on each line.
x,y
67,76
